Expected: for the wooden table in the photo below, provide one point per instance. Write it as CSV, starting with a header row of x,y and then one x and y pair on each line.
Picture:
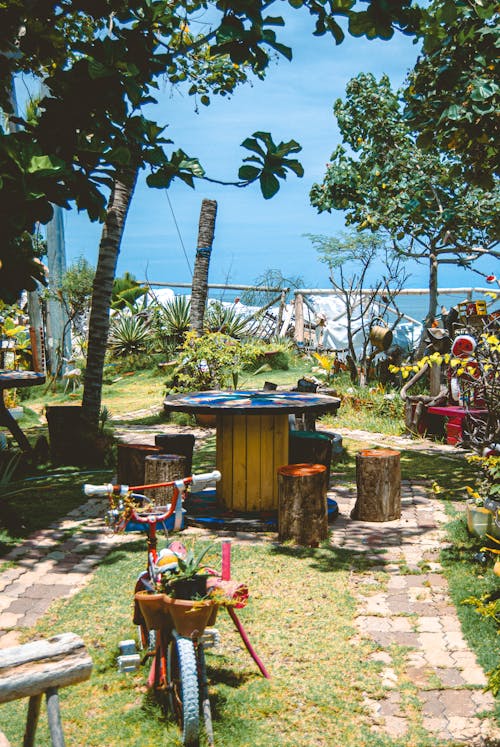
x,y
10,379
252,439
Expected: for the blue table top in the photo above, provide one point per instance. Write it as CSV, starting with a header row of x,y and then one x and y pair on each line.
x,y
10,378
250,402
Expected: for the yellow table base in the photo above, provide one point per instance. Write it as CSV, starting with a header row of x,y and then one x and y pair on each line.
x,y
250,448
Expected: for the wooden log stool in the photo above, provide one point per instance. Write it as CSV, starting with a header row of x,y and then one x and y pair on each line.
x,y
163,468
130,466
32,669
178,443
378,480
302,509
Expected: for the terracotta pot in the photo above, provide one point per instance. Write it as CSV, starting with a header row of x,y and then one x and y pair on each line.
x,y
206,419
188,617
189,588
153,609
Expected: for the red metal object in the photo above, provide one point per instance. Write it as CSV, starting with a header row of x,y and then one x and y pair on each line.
x,y
455,415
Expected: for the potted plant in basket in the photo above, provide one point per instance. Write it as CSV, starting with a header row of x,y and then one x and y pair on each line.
x,y
180,598
185,577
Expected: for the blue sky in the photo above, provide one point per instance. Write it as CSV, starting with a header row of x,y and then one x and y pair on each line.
x,y
252,234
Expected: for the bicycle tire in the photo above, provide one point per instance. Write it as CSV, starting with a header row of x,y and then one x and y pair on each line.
x,y
204,699
183,687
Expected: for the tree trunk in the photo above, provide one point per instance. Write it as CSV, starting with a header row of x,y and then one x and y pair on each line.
x,y
199,291
160,468
302,509
433,299
109,248
378,480
58,326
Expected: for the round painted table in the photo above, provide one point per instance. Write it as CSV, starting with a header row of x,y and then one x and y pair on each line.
x,y
252,439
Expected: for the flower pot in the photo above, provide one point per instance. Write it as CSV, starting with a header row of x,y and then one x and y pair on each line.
x,y
189,588
207,420
479,519
189,617
153,609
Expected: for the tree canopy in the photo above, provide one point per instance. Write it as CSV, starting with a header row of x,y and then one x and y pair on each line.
x,y
452,98
101,63
383,179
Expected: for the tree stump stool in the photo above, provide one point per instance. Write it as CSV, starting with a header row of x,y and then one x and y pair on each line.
x,y
302,509
378,480
180,443
130,467
32,669
163,468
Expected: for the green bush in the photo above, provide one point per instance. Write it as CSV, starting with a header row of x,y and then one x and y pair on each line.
x,y
212,361
128,336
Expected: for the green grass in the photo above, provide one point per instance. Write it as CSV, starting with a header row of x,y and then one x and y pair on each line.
x,y
467,578
299,619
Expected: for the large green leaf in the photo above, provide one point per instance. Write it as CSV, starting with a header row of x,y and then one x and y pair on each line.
x,y
248,173
269,185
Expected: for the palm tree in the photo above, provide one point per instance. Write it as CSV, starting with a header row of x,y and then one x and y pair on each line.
x,y
109,249
199,292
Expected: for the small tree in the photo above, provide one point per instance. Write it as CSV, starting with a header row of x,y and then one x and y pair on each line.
x,y
384,179
362,308
76,288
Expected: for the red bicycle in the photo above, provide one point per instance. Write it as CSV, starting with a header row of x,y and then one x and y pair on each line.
x,y
178,671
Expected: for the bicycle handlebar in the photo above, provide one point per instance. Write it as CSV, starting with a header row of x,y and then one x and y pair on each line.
x,y
103,491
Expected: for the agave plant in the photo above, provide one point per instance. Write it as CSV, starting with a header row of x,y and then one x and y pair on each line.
x,y
173,319
225,319
129,335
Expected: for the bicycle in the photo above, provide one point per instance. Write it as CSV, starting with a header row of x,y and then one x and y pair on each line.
x,y
178,671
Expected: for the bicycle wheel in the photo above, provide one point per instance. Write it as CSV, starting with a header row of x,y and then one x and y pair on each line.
x,y
183,690
204,699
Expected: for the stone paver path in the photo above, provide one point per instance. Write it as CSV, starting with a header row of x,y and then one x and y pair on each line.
x,y
53,563
404,606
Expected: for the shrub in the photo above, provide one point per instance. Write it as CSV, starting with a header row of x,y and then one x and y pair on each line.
x,y
212,361
129,336
225,319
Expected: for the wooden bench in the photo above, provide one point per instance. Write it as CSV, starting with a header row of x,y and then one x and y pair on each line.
x,y
32,669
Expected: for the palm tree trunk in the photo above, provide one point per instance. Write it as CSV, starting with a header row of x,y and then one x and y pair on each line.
x,y
109,249
199,292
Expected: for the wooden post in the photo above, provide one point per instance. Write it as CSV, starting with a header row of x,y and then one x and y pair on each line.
x,y
32,721
162,468
378,479
299,317
54,717
281,311
130,467
302,510
435,379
